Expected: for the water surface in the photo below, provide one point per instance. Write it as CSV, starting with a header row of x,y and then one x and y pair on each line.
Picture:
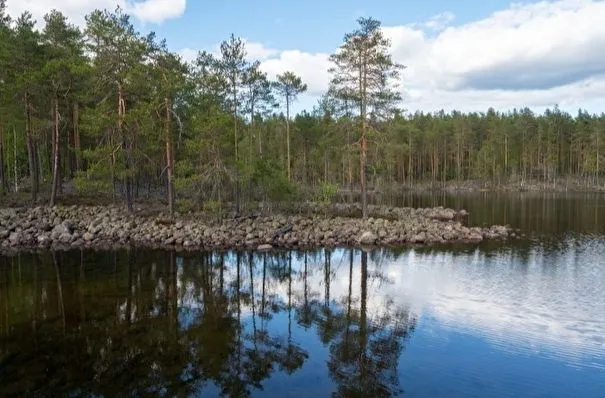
x,y
520,319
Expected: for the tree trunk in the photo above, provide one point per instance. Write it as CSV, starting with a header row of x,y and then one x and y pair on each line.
x,y
251,133
237,187
598,156
76,133
288,136
169,160
260,143
325,165
506,155
362,176
349,164
364,146
235,119
125,146
305,174
31,150
2,173
15,164
458,159
56,150
410,162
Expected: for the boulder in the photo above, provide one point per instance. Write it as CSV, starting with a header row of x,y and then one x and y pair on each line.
x,y
14,238
367,238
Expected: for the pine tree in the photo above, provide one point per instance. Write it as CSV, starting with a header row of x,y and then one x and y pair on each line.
x,y
364,69
170,77
234,67
5,90
259,99
27,61
64,49
119,54
289,86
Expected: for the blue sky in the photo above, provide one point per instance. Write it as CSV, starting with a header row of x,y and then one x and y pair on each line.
x,y
312,25
467,55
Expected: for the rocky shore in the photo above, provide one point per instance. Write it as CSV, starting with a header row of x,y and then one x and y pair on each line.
x,y
23,229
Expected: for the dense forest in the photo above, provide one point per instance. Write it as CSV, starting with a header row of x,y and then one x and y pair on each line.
x,y
106,110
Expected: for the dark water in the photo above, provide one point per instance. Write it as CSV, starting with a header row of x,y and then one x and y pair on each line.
x,y
521,319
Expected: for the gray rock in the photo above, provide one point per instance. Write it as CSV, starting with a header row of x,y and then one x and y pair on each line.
x,y
14,238
43,240
9,213
45,226
103,226
264,247
63,228
418,238
475,235
66,238
367,238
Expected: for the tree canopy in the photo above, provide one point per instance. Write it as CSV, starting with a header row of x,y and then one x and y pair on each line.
x,y
109,111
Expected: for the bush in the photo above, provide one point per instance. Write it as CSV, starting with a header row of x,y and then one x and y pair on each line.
x,y
270,178
326,193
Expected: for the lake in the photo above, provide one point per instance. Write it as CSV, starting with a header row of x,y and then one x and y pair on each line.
x,y
524,318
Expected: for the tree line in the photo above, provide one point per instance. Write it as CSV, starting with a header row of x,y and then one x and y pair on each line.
x,y
106,110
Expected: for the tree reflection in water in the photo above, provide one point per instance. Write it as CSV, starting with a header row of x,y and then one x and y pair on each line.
x,y
168,324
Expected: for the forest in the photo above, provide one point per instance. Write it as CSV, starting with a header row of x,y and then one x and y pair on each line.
x,y
107,111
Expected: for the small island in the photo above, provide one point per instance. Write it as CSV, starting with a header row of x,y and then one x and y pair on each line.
x,y
107,227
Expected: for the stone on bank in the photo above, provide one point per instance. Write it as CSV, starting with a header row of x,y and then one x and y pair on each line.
x,y
112,227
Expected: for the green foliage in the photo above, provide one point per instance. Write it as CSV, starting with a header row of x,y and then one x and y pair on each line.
x,y
289,86
114,86
185,206
325,193
270,179
212,206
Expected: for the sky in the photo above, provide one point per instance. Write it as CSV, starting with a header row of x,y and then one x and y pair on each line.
x,y
468,55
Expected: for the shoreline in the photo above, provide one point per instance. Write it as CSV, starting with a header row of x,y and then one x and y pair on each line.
x,y
110,227
562,185
71,196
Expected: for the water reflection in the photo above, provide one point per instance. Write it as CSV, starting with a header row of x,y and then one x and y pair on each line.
x,y
298,323
157,323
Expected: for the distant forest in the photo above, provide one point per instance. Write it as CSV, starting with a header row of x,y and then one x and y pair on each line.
x,y
109,111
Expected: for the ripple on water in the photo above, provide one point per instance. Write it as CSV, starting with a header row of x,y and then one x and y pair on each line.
x,y
549,302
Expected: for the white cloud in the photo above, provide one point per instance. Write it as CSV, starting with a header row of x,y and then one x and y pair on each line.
x,y
188,54
257,51
438,22
157,11
74,10
525,55
254,50
312,68
154,11
530,54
